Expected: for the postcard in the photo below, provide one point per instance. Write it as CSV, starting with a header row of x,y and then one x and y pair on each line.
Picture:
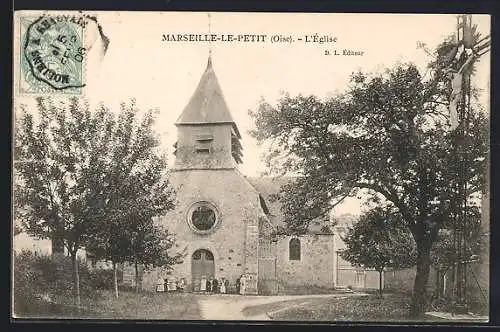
x,y
318,167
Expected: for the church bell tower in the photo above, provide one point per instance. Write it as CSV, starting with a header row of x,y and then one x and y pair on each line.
x,y
207,136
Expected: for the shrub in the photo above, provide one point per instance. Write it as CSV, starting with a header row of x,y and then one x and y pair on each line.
x,y
25,278
101,279
42,279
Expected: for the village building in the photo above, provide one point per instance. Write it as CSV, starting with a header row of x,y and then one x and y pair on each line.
x,y
225,223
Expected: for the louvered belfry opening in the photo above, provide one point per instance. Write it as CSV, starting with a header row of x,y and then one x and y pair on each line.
x,y
236,148
207,107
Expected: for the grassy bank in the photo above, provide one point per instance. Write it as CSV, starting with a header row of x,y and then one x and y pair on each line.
x,y
129,305
371,308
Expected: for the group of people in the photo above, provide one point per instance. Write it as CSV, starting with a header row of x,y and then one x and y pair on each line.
x,y
206,285
213,285
172,285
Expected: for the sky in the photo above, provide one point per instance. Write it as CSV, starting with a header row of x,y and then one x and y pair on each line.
x,y
163,75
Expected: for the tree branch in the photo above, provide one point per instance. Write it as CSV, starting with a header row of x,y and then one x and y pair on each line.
x,y
389,196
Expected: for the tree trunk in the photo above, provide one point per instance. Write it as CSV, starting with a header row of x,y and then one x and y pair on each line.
x,y
439,283
136,278
76,279
419,300
115,279
380,286
57,246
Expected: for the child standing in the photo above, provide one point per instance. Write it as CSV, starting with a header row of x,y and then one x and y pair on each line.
x,y
160,286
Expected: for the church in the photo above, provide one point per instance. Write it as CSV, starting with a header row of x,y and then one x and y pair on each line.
x,y
224,222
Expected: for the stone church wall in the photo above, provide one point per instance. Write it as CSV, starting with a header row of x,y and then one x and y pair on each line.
x,y
238,205
316,264
267,279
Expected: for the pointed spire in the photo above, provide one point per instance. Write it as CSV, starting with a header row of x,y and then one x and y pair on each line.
x,y
207,105
209,63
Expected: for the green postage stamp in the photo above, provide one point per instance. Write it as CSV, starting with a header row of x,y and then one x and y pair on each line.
x,y
52,54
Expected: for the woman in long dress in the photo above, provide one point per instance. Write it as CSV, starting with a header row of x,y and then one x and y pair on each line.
x,y
173,285
160,286
215,286
181,285
238,284
203,284
209,285
222,286
242,284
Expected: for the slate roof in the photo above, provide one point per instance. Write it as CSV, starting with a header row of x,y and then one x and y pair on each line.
x,y
207,104
269,186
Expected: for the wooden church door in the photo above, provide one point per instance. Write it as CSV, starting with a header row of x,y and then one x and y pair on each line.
x,y
202,265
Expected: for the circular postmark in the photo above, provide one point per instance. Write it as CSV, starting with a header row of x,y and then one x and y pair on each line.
x,y
54,51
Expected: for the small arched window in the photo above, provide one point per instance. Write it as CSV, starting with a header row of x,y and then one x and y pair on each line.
x,y
294,250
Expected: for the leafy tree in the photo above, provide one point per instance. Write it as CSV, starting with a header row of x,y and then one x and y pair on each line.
x,y
387,134
150,243
379,241
134,188
53,172
80,171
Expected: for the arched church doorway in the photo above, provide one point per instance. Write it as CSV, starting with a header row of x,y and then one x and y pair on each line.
x,y
202,265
